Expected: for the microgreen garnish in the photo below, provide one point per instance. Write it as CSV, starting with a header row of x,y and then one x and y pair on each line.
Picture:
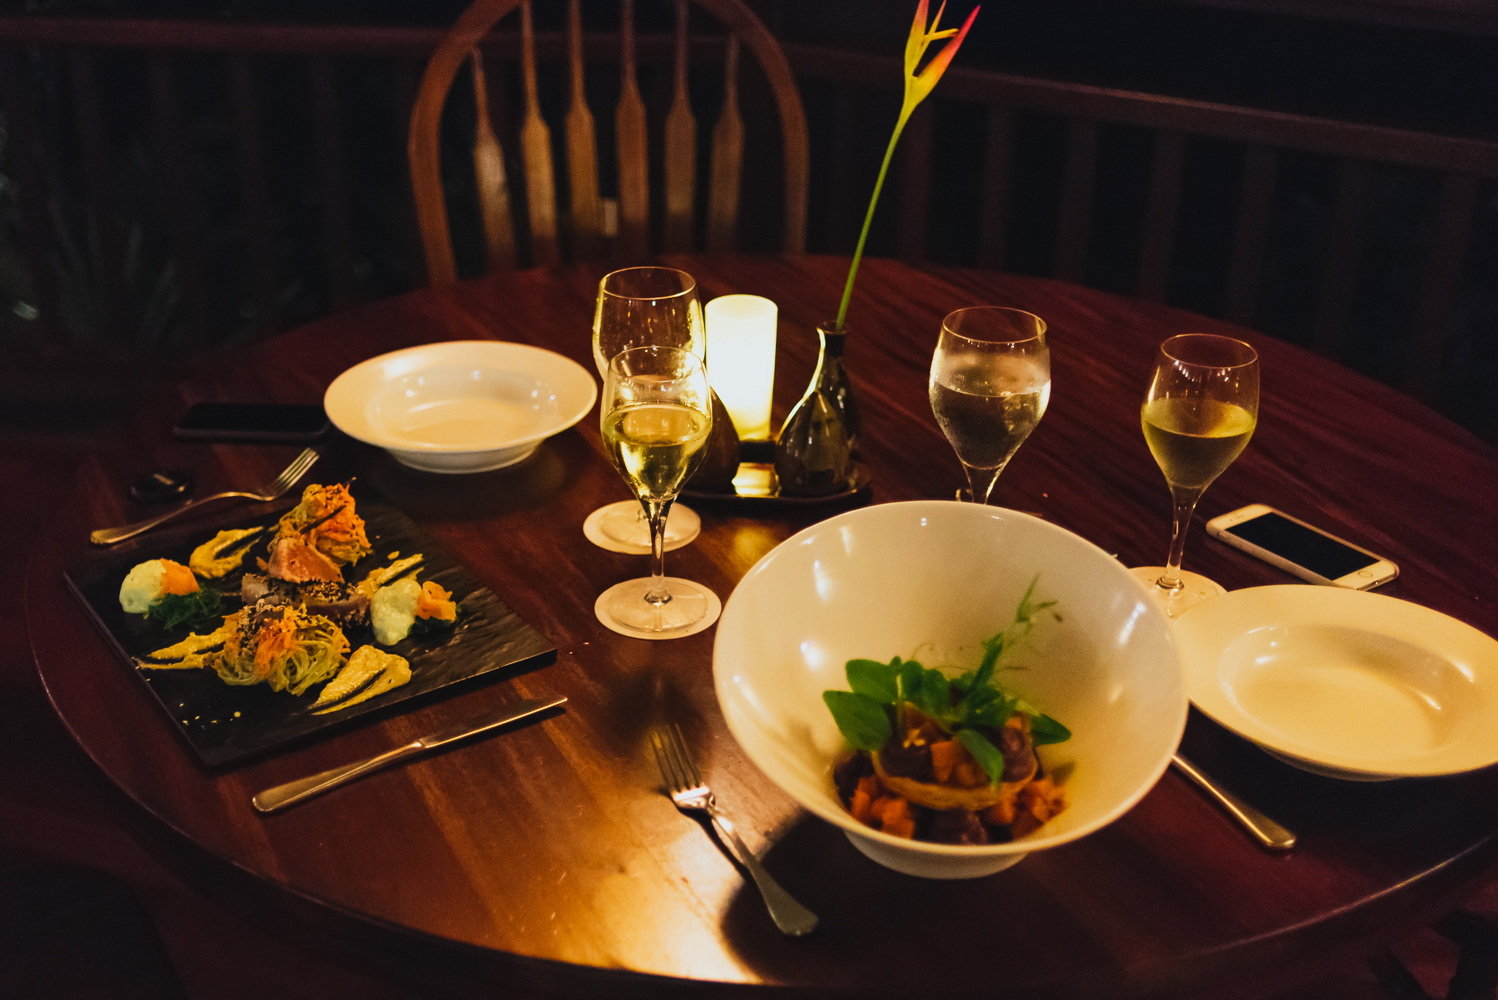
x,y
426,628
963,706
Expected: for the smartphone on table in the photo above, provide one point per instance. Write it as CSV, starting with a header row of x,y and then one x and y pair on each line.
x,y
1296,547
254,423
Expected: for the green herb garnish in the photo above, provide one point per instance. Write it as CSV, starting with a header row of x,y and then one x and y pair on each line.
x,y
193,610
963,706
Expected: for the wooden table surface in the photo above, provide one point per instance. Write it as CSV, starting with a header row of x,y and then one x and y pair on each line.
x,y
547,861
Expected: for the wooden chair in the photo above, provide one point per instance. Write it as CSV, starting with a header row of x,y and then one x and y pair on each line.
x,y
584,225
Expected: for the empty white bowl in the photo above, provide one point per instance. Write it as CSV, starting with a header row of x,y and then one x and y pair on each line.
x,y
460,406
930,580
1344,683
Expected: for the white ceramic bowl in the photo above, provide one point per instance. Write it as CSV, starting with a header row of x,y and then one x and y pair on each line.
x,y
460,406
1344,683
931,580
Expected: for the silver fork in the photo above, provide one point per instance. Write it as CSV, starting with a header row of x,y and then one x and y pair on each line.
x,y
272,490
691,794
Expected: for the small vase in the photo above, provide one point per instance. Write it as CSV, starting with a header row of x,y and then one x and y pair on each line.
x,y
814,449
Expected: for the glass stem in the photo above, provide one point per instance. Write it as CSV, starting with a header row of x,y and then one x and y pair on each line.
x,y
1183,500
656,511
980,482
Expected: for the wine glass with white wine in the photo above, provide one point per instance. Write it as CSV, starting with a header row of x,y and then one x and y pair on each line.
x,y
1199,411
645,307
990,383
657,418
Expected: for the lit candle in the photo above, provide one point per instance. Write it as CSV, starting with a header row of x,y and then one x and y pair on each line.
x,y
741,360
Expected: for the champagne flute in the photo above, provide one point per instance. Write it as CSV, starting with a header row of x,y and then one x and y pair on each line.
x,y
645,307
1199,411
657,417
990,383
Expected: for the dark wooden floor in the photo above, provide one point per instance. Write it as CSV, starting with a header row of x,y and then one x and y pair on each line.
x,y
91,903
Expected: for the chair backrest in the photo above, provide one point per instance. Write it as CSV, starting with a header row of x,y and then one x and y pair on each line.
x,y
585,213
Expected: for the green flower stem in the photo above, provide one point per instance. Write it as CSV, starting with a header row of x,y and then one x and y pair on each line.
x,y
868,218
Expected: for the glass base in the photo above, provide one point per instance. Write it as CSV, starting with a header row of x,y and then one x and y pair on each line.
x,y
1194,589
623,607
623,527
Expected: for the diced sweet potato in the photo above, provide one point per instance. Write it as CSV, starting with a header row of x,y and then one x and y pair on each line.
x,y
945,755
1038,802
1001,813
895,817
862,806
1045,790
968,774
1024,823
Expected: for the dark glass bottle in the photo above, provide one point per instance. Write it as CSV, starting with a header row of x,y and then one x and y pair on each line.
x,y
814,450
721,463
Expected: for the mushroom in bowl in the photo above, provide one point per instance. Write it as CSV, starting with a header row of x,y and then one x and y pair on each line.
x,y
935,582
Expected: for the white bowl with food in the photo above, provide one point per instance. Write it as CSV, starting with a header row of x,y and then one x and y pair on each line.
x,y
461,406
934,582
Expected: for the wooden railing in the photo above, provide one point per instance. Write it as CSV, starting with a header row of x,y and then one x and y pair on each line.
x,y
244,243
1459,167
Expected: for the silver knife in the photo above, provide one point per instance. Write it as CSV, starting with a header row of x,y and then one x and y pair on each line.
x,y
1265,830
293,792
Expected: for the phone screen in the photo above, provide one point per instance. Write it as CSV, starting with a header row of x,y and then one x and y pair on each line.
x,y
253,422
1321,555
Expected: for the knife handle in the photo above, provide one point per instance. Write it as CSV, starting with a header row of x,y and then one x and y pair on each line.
x,y
1265,830
293,792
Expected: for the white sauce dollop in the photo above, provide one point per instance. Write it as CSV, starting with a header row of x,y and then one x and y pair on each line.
x,y
142,586
392,611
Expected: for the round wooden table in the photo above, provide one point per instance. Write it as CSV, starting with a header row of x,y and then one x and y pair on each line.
x,y
547,861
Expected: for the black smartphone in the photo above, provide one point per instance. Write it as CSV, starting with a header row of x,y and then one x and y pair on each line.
x,y
1297,547
258,423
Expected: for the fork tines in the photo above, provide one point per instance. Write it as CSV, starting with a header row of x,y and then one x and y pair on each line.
x,y
673,758
296,470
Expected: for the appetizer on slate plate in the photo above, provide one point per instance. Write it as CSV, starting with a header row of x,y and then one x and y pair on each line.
x,y
289,633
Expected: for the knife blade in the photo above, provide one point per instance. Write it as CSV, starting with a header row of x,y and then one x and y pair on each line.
x,y
293,792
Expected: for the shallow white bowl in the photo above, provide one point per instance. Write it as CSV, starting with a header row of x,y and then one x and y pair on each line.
x,y
931,580
1345,683
460,406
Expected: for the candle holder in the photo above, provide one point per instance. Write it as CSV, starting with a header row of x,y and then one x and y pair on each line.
x,y
741,353
811,460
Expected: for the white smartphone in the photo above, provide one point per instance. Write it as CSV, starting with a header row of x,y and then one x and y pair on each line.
x,y
1297,547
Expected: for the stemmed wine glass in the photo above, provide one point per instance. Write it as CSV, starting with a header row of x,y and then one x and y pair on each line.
x,y
645,307
1199,411
657,418
990,383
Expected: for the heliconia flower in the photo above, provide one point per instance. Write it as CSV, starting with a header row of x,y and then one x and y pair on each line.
x,y
917,87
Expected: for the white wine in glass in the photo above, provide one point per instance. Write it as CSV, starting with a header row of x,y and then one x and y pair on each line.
x,y
645,307
1199,411
990,384
657,418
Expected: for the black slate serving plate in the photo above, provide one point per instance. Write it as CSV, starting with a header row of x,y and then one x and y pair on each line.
x,y
225,724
